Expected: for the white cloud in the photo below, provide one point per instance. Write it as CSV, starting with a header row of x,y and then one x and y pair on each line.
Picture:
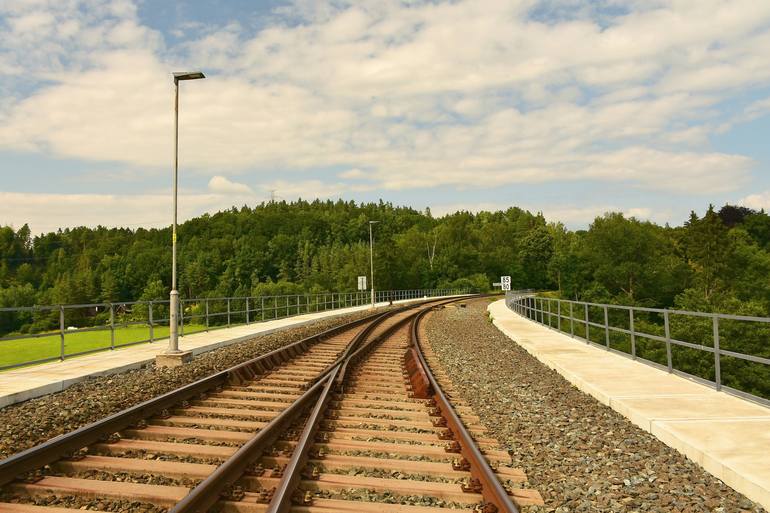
x,y
48,212
571,215
305,189
758,201
465,94
222,185
352,173
757,109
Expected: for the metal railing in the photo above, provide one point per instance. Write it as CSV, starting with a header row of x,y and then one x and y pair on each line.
x,y
658,337
57,332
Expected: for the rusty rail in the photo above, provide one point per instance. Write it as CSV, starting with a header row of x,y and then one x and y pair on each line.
x,y
282,499
207,493
491,489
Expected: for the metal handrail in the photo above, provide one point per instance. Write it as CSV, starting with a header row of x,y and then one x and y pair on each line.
x,y
200,314
557,313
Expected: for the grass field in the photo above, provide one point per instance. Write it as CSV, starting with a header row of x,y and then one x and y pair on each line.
x,y
19,351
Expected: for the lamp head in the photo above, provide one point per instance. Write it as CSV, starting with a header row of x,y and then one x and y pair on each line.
x,y
187,75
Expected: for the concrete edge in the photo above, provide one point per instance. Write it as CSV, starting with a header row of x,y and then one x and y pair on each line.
x,y
724,472
656,427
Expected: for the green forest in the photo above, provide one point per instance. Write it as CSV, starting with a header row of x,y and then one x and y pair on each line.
x,y
715,262
719,261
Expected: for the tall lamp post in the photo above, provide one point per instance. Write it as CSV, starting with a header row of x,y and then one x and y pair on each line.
x,y
173,339
371,258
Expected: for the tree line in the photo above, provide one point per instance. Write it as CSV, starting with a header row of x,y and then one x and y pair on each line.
x,y
716,262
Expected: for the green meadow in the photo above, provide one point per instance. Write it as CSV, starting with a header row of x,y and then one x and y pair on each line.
x,y
14,352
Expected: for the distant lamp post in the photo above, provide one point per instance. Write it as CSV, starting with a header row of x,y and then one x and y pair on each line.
x,y
371,258
173,339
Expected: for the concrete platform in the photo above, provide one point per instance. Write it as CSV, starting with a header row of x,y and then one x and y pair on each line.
x,y
29,382
728,436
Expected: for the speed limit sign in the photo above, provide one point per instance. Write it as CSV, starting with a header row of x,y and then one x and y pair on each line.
x,y
506,282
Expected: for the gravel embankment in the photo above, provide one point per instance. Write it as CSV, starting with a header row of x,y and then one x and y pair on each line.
x,y
27,424
581,455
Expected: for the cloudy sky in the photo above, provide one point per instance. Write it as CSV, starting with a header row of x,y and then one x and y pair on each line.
x,y
650,107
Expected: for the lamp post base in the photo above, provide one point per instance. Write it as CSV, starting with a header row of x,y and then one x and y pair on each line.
x,y
173,359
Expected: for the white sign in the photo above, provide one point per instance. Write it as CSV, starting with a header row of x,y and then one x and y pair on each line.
x,y
362,283
506,281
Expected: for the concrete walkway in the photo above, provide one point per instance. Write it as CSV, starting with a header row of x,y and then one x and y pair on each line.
x,y
29,382
728,436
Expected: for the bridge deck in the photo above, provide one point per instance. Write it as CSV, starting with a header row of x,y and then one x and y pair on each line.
x,y
29,382
728,436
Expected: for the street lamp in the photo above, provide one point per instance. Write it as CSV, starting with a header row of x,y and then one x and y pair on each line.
x,y
173,338
371,258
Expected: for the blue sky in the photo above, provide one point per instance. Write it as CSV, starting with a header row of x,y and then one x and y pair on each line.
x,y
648,107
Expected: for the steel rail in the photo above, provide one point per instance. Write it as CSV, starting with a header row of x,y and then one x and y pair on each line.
x,y
282,498
491,489
207,493
55,448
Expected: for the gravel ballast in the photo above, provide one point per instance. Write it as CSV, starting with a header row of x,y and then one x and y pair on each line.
x,y
581,455
27,424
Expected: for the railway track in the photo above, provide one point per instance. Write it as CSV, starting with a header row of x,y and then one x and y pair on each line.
x,y
343,421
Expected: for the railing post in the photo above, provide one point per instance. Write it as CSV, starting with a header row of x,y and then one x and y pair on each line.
x,y
571,321
606,327
247,311
717,353
558,318
262,307
112,326
228,312
588,334
667,328
307,302
550,315
152,328
61,331
633,334
287,306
